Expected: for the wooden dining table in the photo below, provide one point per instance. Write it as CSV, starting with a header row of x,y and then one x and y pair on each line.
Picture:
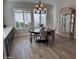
x,y
50,32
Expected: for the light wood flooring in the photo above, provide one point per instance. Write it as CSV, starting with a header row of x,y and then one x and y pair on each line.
x,y
61,48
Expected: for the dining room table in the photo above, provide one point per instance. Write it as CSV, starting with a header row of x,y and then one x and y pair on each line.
x,y
50,32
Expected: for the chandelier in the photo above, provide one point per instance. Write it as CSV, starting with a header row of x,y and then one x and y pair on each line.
x,y
40,8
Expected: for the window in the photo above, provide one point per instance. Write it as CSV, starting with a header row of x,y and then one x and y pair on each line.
x,y
27,20
39,19
22,18
36,21
43,19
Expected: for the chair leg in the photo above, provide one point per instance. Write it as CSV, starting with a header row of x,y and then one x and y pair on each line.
x,y
53,37
47,43
46,40
31,40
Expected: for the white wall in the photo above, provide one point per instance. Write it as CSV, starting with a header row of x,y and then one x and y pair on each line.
x,y
9,17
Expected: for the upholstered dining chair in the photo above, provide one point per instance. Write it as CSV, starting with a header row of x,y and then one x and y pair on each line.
x,y
43,37
33,36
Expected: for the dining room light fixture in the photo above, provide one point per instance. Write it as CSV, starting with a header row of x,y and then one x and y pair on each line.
x,y
40,8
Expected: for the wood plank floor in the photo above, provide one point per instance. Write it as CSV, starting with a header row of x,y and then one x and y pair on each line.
x,y
61,48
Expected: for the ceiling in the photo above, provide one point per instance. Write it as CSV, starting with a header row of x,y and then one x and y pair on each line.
x,y
48,2
51,2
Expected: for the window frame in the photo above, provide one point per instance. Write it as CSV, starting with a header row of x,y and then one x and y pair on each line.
x,y
40,19
23,11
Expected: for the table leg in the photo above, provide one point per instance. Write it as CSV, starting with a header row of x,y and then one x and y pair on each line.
x,y
31,40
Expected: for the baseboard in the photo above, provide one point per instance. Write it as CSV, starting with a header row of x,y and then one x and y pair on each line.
x,y
16,35
61,34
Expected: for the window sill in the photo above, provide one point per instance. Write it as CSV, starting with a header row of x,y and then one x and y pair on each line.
x,y
20,28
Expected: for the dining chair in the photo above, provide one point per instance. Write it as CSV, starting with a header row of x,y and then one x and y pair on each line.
x,y
43,37
33,36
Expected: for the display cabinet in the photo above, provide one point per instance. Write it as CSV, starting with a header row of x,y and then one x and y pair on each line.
x,y
67,22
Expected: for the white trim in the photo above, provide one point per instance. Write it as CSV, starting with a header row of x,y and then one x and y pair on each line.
x,y
16,35
22,9
19,28
27,11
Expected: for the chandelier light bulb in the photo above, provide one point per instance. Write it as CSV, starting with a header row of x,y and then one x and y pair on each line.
x,y
41,5
36,6
45,9
40,8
